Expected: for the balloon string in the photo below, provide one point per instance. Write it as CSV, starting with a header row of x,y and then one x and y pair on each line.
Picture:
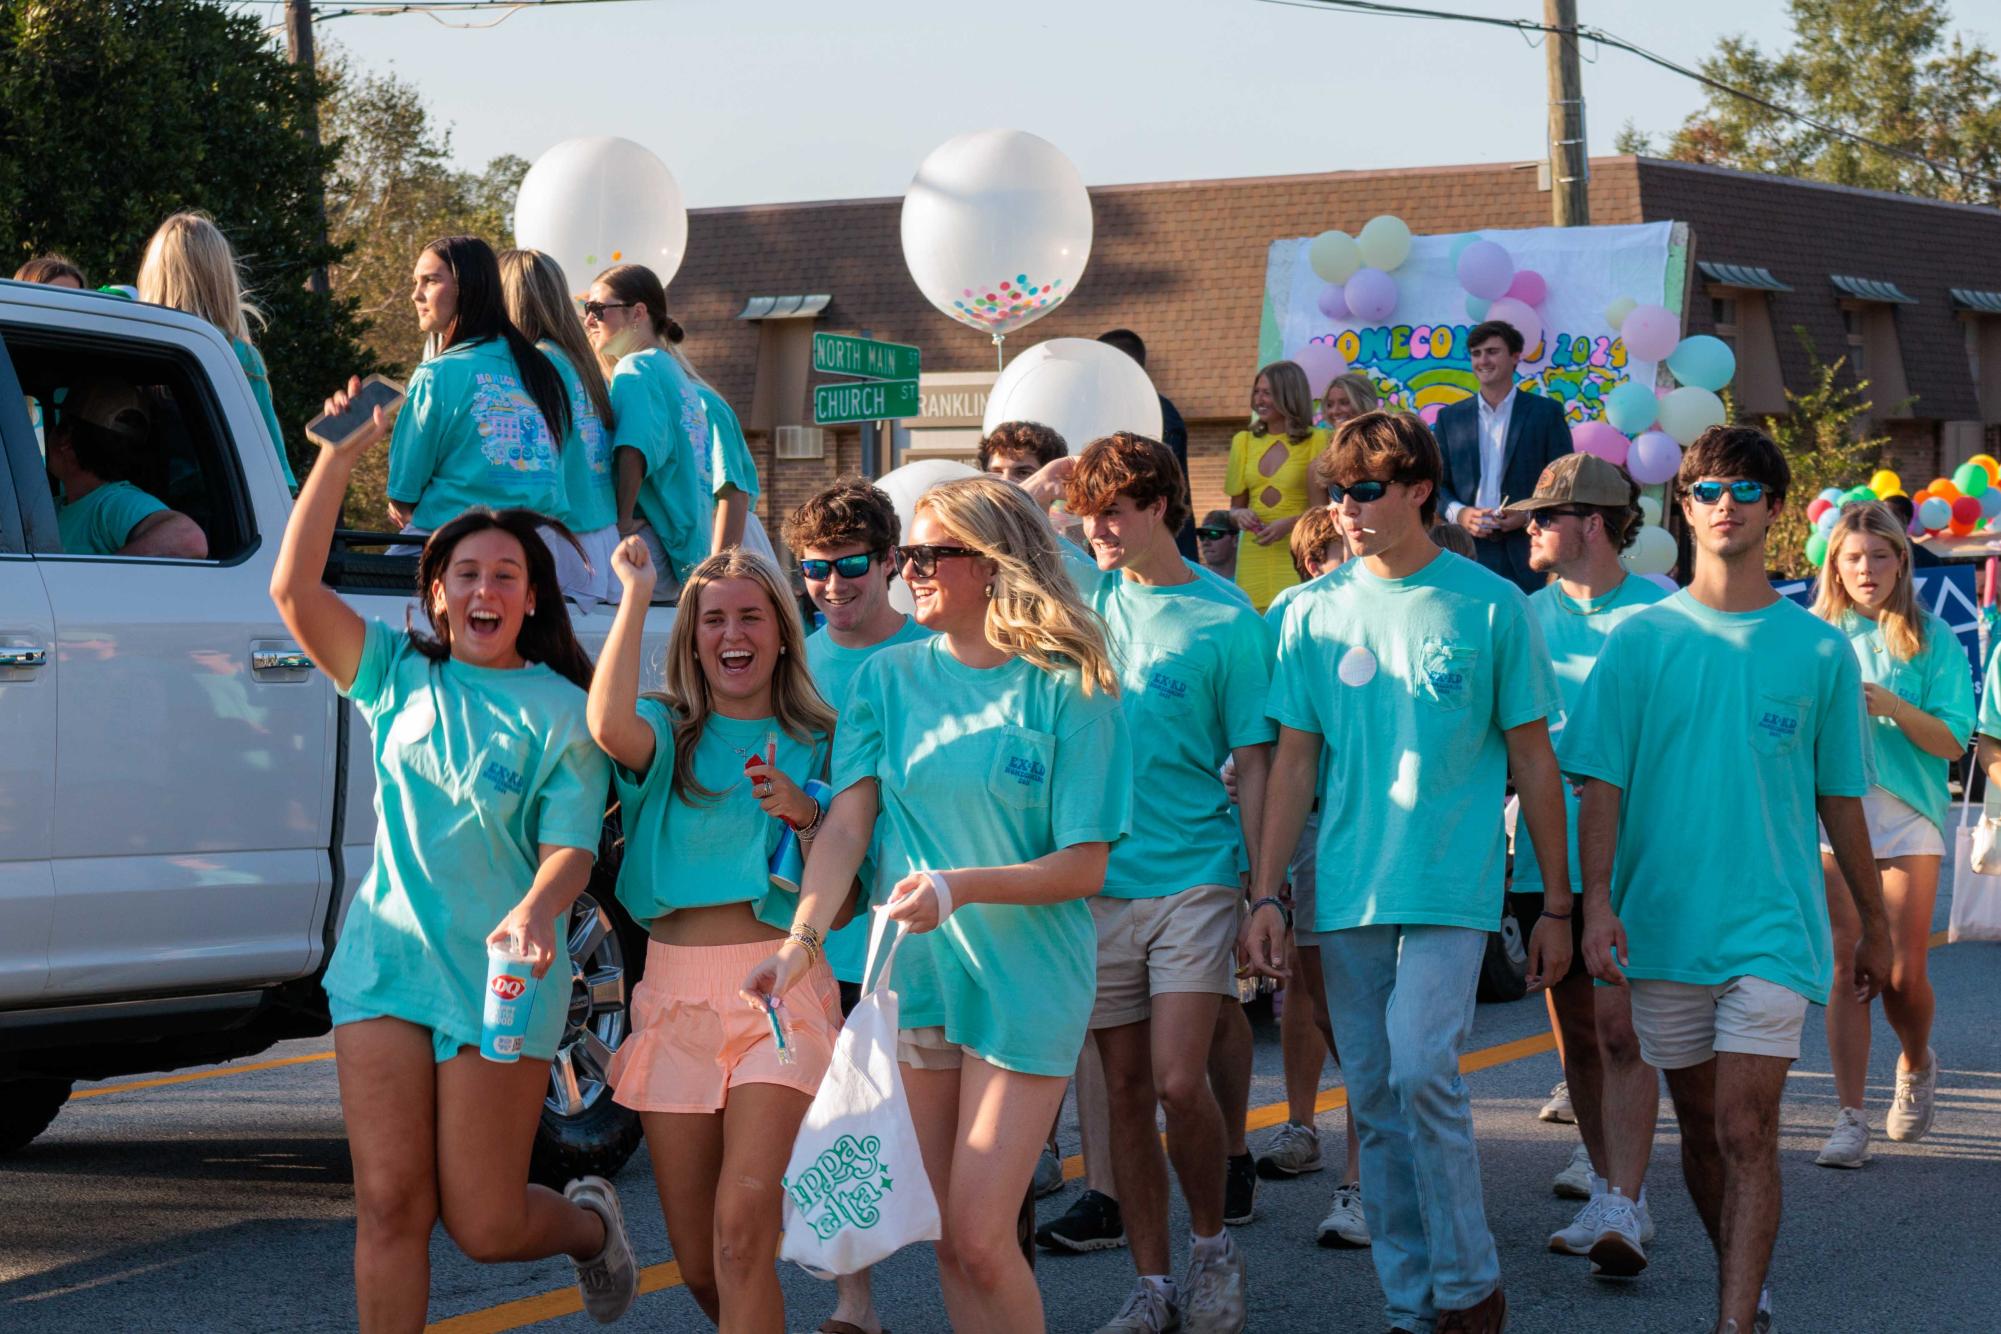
x,y
1000,360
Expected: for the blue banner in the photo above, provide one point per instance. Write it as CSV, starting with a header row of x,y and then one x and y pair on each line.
x,y
1950,592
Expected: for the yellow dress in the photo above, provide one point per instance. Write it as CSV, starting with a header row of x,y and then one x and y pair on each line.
x,y
1264,570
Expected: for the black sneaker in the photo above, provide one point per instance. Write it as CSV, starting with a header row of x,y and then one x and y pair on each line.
x,y
1092,1223
1240,1190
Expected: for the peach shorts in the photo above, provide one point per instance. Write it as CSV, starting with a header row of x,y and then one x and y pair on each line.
x,y
694,1037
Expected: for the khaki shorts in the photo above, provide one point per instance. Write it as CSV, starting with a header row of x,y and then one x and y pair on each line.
x,y
1184,942
928,1049
1681,1024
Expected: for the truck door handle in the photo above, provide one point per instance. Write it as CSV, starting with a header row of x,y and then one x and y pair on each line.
x,y
23,655
280,660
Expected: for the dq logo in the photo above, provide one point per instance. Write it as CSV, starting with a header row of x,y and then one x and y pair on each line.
x,y
509,988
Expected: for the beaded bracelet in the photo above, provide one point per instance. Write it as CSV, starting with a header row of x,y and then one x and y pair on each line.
x,y
809,937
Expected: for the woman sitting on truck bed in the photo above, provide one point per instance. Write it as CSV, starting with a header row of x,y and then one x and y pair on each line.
x,y
491,795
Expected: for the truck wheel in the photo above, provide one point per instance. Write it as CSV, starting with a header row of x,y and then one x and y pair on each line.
x,y
26,1108
1504,972
583,1132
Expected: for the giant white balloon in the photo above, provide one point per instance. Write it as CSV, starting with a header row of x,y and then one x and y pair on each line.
x,y
1079,388
591,203
903,486
996,228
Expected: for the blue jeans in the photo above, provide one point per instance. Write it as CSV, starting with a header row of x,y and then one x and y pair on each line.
x,y
1401,998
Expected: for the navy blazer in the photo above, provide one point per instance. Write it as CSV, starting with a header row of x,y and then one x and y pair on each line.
x,y
1538,435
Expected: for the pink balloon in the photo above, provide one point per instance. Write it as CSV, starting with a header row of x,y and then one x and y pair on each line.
x,y
1371,294
1602,439
1321,363
1655,458
1528,287
1332,303
1527,323
1650,333
1485,270
1429,413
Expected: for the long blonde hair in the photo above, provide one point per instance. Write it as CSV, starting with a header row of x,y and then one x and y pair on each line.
x,y
1903,624
189,266
1291,395
538,301
795,702
1035,612
1357,386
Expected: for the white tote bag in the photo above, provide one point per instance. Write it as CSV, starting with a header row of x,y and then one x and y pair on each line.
x,y
855,1189
1976,879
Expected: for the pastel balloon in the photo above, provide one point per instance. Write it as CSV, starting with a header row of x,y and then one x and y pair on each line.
x,y
1485,270
1632,407
1650,332
1664,582
1321,362
1935,513
996,228
1688,412
1655,458
1459,244
1860,495
1616,313
1816,549
1600,440
904,486
1916,527
1079,388
1832,494
1966,510
1526,322
1334,256
1528,287
1828,518
1817,507
1990,502
592,203
1650,509
1885,483
1652,552
1333,304
1371,294
1971,479
1702,361
1384,242
1476,308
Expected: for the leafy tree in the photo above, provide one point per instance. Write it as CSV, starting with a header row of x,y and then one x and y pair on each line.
x,y
1821,438
1887,70
115,113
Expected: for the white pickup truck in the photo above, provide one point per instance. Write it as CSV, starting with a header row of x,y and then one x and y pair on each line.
x,y
186,806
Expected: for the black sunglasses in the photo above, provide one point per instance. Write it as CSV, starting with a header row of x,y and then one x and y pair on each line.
x,y
922,560
851,567
594,310
1213,534
1363,492
1743,491
1541,518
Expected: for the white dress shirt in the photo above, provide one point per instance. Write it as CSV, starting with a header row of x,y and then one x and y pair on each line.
x,y
1493,453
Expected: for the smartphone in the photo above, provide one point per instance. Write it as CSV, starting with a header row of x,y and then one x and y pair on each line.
x,y
336,429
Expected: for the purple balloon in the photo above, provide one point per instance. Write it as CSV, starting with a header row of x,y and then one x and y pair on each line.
x,y
1916,528
1321,362
1665,582
1371,294
1332,303
1650,333
1602,439
1528,287
1655,458
1485,270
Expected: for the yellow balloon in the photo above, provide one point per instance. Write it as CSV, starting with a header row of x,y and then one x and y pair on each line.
x,y
1885,483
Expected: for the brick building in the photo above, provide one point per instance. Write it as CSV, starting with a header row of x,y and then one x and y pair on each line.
x,y
1909,289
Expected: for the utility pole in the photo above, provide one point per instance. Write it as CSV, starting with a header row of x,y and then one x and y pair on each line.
x,y
1569,168
299,49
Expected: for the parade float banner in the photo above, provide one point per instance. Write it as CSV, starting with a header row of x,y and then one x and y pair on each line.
x,y
1417,356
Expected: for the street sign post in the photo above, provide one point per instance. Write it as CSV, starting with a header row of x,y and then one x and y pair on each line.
x,y
864,401
889,381
839,354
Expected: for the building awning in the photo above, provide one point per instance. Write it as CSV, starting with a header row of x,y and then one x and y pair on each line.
x,y
1747,276
784,307
1987,303
1869,289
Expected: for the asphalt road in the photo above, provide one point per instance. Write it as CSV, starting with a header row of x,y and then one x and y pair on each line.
x,y
223,1203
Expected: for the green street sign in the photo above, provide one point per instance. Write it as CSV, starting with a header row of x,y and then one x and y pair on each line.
x,y
838,354
864,401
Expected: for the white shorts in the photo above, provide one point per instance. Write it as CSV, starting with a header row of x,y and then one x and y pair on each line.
x,y
1896,829
586,578
1681,1024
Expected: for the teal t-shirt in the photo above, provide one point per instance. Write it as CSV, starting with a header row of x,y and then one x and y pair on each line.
x,y
1939,682
1989,721
475,769
469,434
101,522
1721,729
1574,631
252,361
979,768
730,463
686,853
1194,672
657,410
833,669
1411,683
589,502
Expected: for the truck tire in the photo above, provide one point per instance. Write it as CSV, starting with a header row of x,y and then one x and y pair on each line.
x,y
27,1106
1504,971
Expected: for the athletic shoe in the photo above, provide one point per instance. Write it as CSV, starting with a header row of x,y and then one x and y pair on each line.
x,y
1093,1222
1910,1114
1147,1311
1345,1224
1617,1251
1048,1173
609,1281
1240,1190
1292,1150
1848,1145
1575,1181
1212,1292
1558,1107
1646,1219
1576,1239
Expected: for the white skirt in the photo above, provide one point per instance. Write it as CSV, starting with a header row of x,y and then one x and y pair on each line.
x,y
1896,829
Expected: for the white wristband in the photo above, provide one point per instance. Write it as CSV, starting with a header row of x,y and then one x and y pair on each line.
x,y
944,893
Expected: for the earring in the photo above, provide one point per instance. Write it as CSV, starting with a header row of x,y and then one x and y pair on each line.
x,y
781,650
990,592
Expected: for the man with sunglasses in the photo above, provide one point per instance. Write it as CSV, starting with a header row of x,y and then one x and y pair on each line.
x,y
1584,512
1428,677
1716,725
1216,544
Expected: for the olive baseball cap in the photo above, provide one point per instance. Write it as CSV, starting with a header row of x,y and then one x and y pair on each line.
x,y
1578,479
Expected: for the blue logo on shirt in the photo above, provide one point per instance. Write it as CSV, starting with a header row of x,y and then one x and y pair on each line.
x,y
1167,687
504,778
1025,769
1779,726
1448,682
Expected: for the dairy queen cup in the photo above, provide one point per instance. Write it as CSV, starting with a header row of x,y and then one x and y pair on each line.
x,y
510,996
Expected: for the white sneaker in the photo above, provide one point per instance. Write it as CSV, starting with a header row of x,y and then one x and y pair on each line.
x,y
1848,1145
1212,1293
1558,1107
1292,1150
1576,1239
1345,1224
1646,1219
1147,1311
1617,1251
1910,1114
1576,1181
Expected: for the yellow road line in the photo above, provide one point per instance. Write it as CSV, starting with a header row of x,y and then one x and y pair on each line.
x,y
221,1072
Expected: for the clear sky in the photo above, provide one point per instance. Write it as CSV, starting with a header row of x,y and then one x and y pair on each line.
x,y
753,101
